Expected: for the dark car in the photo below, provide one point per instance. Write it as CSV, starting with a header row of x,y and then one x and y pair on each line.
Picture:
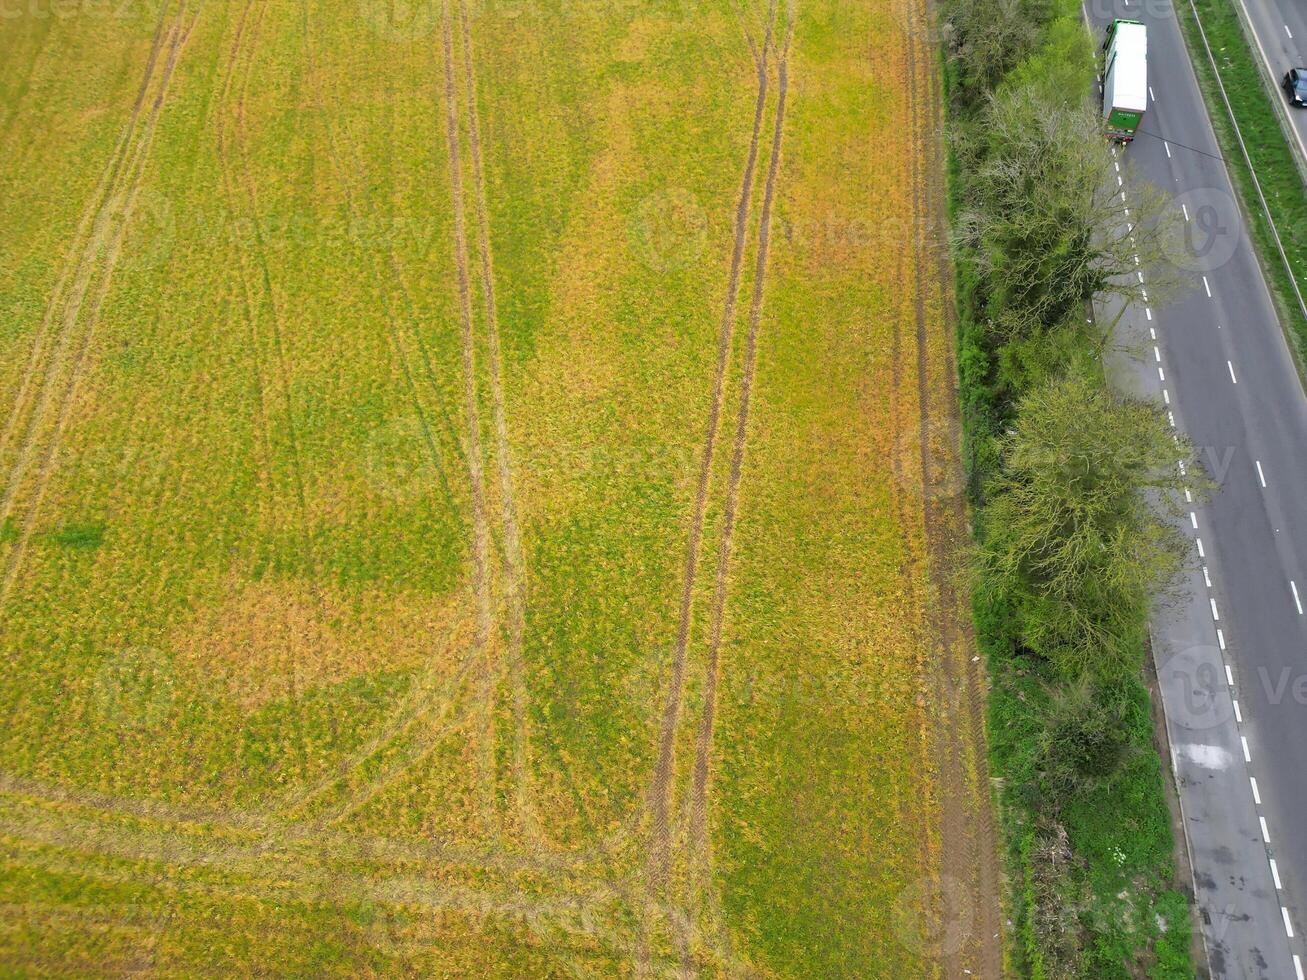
x,y
1295,86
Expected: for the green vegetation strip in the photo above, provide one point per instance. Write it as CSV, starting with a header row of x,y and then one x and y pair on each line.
x,y
1087,837
1267,147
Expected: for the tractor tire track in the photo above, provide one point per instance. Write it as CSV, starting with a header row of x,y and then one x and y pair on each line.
x,y
441,719
907,488
80,253
438,448
660,789
78,256
81,256
249,863
704,740
427,701
514,570
953,836
749,35
430,700
67,395
480,556
700,901
266,831
224,140
593,915
246,45
952,499
225,136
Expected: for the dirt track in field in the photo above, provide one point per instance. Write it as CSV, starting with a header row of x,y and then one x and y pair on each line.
x,y
699,794
664,767
480,527
514,571
967,893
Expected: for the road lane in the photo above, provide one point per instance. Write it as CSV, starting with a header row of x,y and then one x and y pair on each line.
x,y
1223,363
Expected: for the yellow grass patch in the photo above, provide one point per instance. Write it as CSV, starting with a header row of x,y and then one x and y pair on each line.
x,y
272,640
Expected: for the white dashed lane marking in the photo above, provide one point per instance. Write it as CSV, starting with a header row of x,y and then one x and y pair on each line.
x,y
1207,578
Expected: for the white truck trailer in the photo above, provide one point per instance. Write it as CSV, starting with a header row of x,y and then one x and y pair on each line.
x,y
1125,79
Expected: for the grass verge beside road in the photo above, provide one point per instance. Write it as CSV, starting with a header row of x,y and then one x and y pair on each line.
x,y
1268,149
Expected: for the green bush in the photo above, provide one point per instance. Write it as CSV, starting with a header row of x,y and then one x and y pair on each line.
x,y
985,39
1084,742
1070,534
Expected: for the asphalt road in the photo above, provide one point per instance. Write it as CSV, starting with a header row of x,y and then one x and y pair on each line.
x,y
1280,31
1232,652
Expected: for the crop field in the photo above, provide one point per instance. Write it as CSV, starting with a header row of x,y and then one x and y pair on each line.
x,y
479,493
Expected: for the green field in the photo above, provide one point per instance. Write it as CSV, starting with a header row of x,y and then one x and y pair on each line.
x,y
479,494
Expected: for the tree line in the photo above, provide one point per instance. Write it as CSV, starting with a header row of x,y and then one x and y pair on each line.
x,y
1075,489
